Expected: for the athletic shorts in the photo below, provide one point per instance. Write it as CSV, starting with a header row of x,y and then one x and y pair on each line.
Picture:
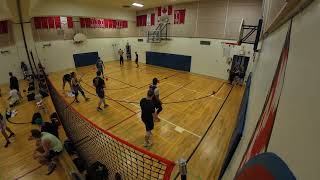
x,y
121,58
52,154
148,124
100,93
157,104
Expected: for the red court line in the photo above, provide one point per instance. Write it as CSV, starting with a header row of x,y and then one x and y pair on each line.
x,y
29,172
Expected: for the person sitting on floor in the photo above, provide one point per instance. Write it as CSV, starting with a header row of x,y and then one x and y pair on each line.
x,y
13,98
48,148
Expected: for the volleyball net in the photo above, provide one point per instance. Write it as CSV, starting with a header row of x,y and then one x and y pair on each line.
x,y
96,144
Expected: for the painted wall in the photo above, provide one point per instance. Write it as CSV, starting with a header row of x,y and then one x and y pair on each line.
x,y
217,19
207,60
59,55
295,134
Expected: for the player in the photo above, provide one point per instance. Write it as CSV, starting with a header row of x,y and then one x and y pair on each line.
x,y
99,83
156,98
75,84
147,116
137,59
120,52
66,79
3,129
100,66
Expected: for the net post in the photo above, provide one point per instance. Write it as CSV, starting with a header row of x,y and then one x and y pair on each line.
x,y
183,168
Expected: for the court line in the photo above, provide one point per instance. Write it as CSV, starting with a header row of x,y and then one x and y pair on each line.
x,y
206,132
29,172
105,96
162,119
122,82
212,96
123,120
177,90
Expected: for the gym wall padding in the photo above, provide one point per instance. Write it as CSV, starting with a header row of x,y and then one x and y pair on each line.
x,y
173,61
238,131
85,59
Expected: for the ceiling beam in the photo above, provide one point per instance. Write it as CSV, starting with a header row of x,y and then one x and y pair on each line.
x,y
288,11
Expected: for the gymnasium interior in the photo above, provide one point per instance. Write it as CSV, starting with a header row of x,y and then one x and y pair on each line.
x,y
236,82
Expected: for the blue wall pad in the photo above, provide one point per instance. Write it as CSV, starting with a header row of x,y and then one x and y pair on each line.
x,y
237,133
173,61
85,59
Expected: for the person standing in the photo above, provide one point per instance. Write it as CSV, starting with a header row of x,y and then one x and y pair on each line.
x,y
147,116
3,129
14,83
156,98
120,52
66,79
50,147
24,69
99,84
137,59
75,83
100,66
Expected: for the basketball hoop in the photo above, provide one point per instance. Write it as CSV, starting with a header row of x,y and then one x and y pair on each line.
x,y
226,47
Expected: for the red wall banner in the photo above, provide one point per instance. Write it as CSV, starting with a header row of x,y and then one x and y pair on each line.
x,y
179,16
260,140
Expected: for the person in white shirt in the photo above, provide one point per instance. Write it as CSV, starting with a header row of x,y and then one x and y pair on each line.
x,y
14,97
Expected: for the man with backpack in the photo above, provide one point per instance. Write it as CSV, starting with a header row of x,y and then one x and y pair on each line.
x,y
156,98
99,84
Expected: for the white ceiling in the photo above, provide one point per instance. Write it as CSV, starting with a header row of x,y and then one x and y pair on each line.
x,y
119,3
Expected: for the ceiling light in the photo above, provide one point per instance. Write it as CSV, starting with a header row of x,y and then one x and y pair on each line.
x,y
137,5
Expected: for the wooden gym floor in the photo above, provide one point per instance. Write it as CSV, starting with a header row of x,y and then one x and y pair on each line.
x,y
196,130
16,161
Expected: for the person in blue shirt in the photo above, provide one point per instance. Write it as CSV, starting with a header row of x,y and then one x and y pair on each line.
x,y
100,66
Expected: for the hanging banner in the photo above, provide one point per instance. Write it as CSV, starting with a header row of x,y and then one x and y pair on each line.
x,y
64,22
179,16
260,139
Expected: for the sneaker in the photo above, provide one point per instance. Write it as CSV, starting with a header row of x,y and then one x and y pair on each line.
x,y
145,144
7,144
11,135
99,109
51,168
106,105
77,101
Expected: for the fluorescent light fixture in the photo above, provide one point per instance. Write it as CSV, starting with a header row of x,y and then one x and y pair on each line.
x,y
137,5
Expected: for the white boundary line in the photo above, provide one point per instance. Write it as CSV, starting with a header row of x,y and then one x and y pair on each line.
x,y
162,119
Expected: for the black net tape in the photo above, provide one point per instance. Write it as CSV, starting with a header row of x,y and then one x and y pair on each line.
x,y
95,144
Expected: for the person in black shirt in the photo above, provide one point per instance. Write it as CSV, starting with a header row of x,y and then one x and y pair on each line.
x,y
137,59
66,79
99,83
14,83
24,69
147,116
